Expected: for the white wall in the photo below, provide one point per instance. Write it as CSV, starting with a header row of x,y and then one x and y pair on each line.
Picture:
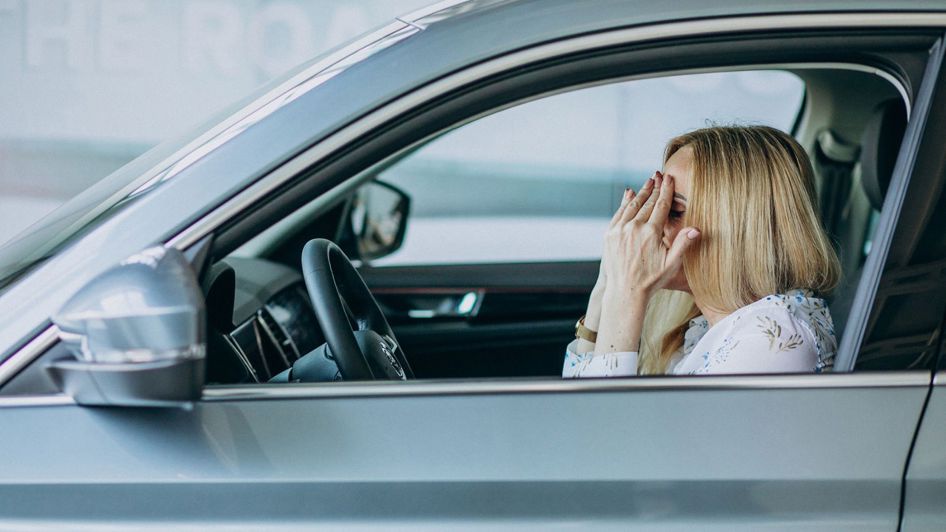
x,y
89,84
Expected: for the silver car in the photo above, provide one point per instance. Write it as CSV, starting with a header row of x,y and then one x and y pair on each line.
x,y
192,343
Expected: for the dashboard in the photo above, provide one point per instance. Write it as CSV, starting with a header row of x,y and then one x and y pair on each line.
x,y
260,320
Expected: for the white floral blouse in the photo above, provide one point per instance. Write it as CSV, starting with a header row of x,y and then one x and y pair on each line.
x,y
780,333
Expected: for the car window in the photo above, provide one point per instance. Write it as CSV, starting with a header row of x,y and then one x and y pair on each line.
x,y
539,181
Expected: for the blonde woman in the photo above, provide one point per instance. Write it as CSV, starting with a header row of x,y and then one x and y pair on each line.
x,y
715,266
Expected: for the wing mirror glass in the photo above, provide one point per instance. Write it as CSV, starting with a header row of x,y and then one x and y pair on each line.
x,y
137,333
378,219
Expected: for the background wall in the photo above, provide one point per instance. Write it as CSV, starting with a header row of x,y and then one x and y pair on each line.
x,y
87,85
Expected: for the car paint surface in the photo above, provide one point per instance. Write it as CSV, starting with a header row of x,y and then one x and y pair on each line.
x,y
493,460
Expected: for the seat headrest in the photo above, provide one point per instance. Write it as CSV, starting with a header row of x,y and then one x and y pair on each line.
x,y
880,144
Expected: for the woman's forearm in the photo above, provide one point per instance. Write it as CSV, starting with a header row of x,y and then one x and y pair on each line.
x,y
593,312
621,321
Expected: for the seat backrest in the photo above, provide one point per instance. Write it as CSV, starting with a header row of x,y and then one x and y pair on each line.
x,y
879,146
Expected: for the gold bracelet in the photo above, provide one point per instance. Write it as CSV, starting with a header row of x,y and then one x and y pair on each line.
x,y
584,333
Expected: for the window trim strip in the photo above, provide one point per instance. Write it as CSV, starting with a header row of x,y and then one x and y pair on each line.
x,y
911,379
452,388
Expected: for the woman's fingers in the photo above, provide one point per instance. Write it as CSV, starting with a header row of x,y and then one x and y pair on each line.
x,y
634,206
648,207
685,239
625,200
664,201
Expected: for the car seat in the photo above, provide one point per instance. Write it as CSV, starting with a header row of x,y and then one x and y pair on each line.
x,y
854,225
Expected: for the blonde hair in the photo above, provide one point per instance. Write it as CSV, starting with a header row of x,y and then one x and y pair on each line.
x,y
753,197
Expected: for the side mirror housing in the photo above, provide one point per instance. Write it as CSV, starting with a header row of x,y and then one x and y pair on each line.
x,y
137,332
377,220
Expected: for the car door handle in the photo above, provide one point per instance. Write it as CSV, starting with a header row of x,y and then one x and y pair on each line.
x,y
424,304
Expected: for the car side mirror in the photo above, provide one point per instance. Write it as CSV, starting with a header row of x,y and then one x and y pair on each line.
x,y
137,332
378,219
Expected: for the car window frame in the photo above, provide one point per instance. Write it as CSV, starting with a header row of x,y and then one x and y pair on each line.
x,y
668,34
865,298
865,281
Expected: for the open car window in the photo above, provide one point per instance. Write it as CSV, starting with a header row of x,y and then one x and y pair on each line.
x,y
506,213
538,182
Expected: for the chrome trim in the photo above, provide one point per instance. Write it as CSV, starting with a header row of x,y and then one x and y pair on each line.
x,y
20,401
29,352
519,386
341,390
263,187
242,355
411,24
939,379
267,184
426,11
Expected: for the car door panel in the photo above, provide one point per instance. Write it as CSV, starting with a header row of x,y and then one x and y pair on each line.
x,y
925,489
522,317
790,451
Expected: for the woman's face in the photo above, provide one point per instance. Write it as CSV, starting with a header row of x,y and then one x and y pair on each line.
x,y
678,166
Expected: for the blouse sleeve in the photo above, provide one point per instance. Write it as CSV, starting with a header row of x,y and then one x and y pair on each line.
x,y
581,365
770,340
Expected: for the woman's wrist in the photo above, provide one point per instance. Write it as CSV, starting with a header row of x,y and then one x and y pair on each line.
x,y
621,321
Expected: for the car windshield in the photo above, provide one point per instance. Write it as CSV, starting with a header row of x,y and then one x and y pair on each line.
x,y
85,211
46,236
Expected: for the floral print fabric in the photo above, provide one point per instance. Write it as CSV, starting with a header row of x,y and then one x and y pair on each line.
x,y
780,333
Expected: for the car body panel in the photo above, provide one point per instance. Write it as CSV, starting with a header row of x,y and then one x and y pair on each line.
x,y
924,501
802,456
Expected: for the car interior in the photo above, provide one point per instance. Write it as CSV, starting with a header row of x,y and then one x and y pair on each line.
x,y
477,320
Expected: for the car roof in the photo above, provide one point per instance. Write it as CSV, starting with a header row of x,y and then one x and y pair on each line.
x,y
596,15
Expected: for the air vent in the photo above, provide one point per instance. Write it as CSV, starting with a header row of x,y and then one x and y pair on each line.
x,y
282,341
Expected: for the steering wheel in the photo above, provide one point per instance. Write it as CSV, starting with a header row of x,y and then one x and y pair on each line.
x,y
342,301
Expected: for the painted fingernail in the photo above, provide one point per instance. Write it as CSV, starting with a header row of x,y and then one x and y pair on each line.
x,y
692,234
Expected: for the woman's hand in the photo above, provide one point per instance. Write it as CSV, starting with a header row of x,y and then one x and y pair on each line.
x,y
636,258
593,312
637,262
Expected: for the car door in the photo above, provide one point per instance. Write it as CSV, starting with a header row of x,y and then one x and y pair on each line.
x,y
822,452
